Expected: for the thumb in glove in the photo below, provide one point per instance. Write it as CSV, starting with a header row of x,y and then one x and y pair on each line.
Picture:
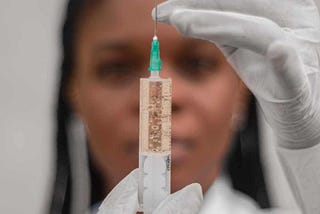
x,y
123,199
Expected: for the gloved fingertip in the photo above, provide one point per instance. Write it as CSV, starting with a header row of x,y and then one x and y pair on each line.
x,y
195,189
135,171
162,19
283,58
181,19
123,195
188,199
279,51
288,69
164,12
153,13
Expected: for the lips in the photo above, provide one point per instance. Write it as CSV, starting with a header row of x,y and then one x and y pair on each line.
x,y
180,150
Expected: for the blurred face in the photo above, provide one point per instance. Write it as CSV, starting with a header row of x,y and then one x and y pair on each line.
x,y
112,53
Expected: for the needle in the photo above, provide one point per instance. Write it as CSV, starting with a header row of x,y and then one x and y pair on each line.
x,y
156,20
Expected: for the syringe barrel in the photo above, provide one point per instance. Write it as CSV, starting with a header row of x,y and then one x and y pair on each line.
x,y
154,142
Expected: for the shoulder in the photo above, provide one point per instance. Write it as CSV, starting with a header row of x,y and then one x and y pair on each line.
x,y
223,199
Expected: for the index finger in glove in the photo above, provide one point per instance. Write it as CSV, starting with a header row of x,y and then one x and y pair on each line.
x,y
225,28
187,201
286,13
123,199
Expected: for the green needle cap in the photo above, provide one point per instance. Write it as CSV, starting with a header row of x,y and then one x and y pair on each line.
x,y
155,61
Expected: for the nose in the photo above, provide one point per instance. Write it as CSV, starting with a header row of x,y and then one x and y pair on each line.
x,y
180,89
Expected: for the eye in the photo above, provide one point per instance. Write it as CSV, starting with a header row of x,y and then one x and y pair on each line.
x,y
117,72
115,68
200,63
196,67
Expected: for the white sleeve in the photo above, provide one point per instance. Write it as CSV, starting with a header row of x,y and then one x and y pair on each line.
x,y
302,168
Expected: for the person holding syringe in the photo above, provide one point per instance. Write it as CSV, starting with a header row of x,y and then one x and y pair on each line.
x,y
274,54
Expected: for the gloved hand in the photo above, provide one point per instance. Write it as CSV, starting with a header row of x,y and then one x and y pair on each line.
x,y
273,45
123,199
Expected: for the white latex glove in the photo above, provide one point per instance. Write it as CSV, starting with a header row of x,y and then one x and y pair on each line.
x,y
123,199
274,47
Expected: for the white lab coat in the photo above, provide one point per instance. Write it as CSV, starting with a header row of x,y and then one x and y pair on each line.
x,y
221,198
302,169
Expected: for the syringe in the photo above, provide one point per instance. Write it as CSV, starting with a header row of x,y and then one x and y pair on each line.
x,y
155,135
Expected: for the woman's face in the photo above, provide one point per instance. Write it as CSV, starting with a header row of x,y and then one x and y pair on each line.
x,y
112,53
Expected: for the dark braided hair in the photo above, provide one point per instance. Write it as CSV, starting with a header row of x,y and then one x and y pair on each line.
x,y
243,164
61,198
